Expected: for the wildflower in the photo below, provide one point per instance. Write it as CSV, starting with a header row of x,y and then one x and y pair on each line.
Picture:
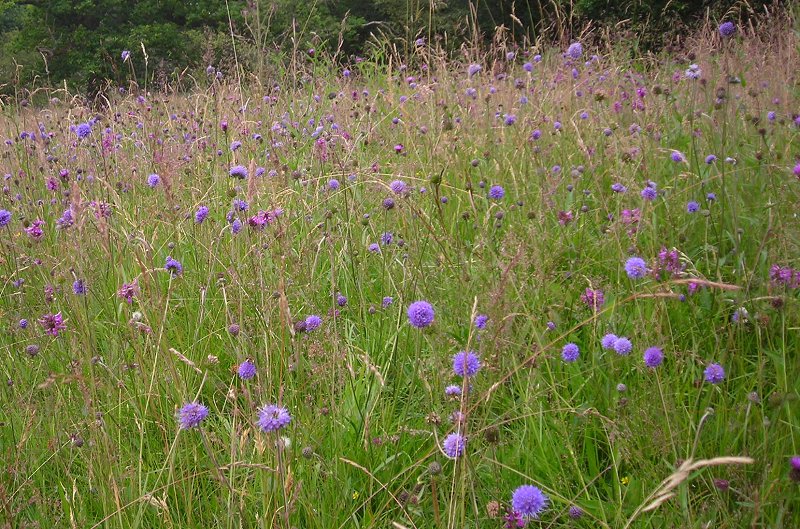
x,y
466,364
374,248
387,238
238,171
575,512
79,287
593,298
618,188
677,157
52,323
727,29
246,370
5,217
341,300
480,321
35,231
607,342
570,352
452,390
623,346
191,415
420,314
714,373
173,266
235,145
398,187
509,119
83,130
497,192
710,159
125,55
388,203
23,323
649,193
333,184
387,300
313,322
529,501
653,357
201,214
794,472
693,72
153,180
575,50
453,445
473,69
692,207
272,418
635,267
128,291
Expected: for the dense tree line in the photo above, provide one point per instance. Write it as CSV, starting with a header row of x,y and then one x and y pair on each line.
x,y
81,41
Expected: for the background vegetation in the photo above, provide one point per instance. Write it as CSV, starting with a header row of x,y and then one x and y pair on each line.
x,y
48,41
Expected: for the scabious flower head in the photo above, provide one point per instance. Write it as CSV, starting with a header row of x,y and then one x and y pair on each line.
x,y
79,287
341,300
272,418
677,156
388,203
153,180
83,130
125,55
398,187
201,214
618,188
23,323
653,357
191,415
246,370
570,352
466,364
453,445
173,266
496,192
235,145
714,373
649,193
575,50
238,171
452,390
420,314
509,119
635,267
623,346
473,69
387,300
693,72
594,299
333,184
374,248
607,342
575,512
481,320
692,207
529,501
128,291
727,29
5,217
313,322
387,238
711,159
52,323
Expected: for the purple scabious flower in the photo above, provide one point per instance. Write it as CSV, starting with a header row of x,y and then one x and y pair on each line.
x,y
238,171
128,291
23,323
79,287
125,55
466,364
649,193
5,217
374,248
452,390
83,130
387,238
201,214
191,415
398,187
173,266
481,320
313,322
575,50
575,512
246,370
529,501
677,157
387,300
236,226
714,374
570,353
635,267
473,69
235,145
710,159
333,184
388,203
693,72
618,188
607,342
453,445
727,29
341,300
52,323
623,346
594,299
509,119
420,314
272,418
653,357
496,192
692,207
153,180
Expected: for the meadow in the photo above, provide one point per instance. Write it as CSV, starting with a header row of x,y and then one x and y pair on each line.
x,y
536,285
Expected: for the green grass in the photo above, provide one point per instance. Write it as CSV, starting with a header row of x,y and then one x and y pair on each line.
x,y
88,433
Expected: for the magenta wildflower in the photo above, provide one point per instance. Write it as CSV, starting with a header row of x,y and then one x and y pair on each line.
x,y
53,323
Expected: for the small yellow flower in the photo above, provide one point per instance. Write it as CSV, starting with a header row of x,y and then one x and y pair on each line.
x,y
355,495
625,480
